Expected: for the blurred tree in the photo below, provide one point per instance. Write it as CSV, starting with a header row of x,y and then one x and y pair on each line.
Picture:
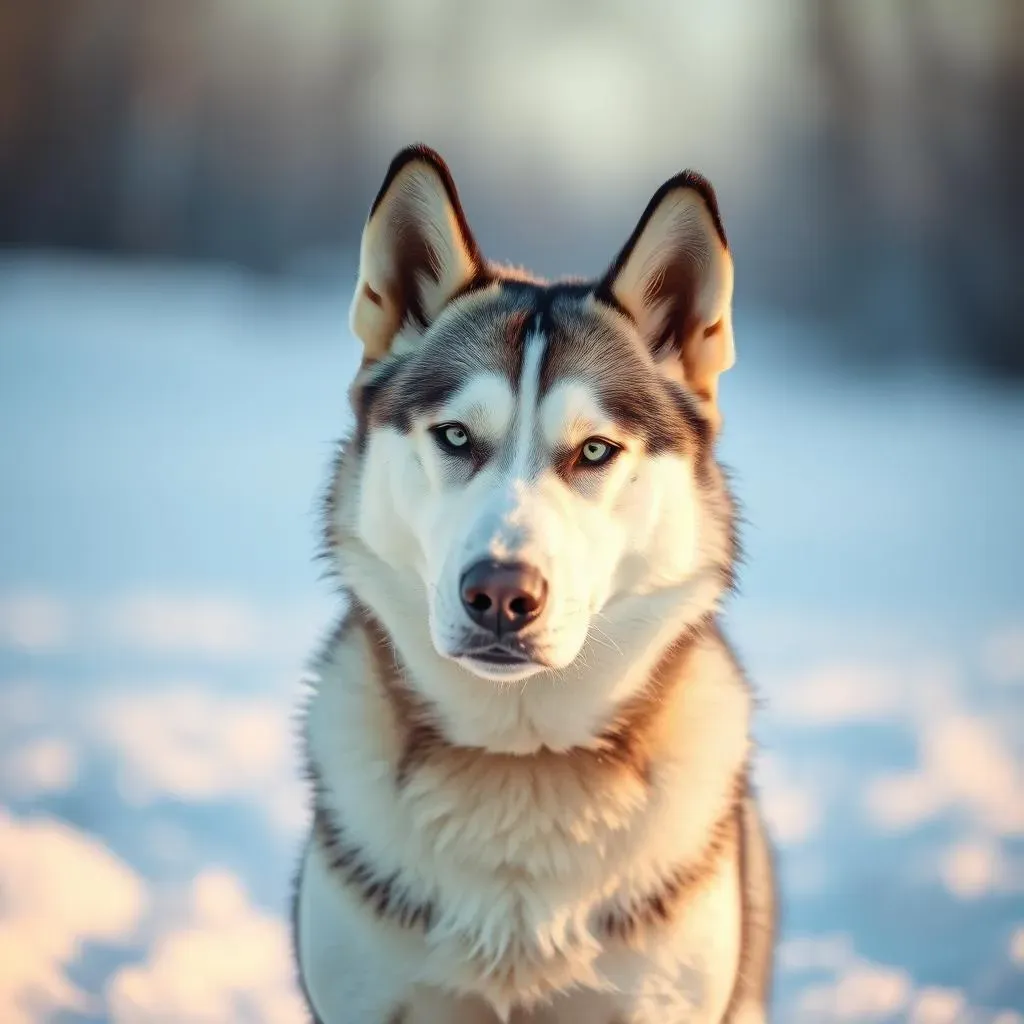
x,y
180,127
255,130
922,153
975,242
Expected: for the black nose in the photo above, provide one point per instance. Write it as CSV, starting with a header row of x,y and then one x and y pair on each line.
x,y
503,597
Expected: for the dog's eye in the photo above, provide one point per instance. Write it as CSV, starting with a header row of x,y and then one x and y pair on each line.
x,y
452,437
597,452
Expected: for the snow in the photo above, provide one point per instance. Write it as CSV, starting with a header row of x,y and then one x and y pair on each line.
x,y
166,434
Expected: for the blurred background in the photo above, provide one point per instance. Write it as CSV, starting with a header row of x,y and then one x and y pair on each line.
x,y
182,186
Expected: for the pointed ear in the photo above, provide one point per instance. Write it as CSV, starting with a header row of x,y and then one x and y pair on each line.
x,y
417,252
674,278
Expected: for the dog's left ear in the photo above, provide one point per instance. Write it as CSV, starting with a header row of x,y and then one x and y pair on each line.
x,y
674,278
417,252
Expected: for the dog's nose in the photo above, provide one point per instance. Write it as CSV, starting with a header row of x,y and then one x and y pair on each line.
x,y
503,597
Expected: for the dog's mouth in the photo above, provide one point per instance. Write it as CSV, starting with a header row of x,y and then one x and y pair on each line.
x,y
498,655
500,661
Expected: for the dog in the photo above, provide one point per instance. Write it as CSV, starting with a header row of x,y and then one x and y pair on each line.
x,y
528,740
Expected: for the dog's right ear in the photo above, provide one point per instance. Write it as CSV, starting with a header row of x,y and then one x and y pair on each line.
x,y
674,280
417,252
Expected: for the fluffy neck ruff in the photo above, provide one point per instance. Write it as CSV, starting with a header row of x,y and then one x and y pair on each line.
x,y
557,710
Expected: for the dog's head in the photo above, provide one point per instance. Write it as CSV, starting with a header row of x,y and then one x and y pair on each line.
x,y
533,466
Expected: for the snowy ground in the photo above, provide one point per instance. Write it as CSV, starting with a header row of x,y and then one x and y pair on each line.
x,y
163,439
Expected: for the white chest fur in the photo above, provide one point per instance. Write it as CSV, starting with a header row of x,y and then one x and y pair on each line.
x,y
359,968
517,859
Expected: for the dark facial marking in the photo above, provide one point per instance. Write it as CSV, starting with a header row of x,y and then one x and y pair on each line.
x,y
585,346
579,343
480,338
366,395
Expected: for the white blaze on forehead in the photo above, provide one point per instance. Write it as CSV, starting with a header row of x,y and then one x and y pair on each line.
x,y
571,413
505,514
523,451
484,404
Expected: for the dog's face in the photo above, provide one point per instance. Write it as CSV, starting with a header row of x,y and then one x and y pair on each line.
x,y
533,457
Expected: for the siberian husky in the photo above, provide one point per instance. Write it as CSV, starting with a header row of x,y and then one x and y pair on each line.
x,y
528,740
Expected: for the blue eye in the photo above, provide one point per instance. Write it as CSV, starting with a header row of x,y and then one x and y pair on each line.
x,y
452,438
596,452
